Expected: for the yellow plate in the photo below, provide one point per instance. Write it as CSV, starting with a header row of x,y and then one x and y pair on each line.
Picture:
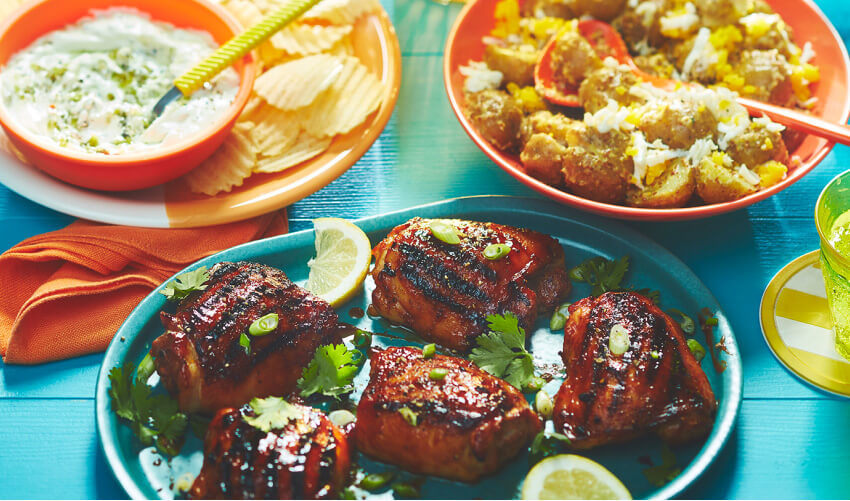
x,y
376,45
796,324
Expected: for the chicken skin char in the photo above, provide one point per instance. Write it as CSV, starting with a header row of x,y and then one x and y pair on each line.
x,y
468,424
309,458
199,358
445,292
655,386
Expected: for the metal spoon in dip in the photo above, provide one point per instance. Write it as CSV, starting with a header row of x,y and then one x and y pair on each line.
x,y
234,49
607,42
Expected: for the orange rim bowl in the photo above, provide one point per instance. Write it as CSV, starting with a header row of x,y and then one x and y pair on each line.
x,y
135,170
808,23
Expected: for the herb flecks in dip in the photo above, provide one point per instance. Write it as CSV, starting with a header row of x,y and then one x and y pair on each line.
x,y
91,86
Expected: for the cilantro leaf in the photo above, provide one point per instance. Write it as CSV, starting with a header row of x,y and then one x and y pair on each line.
x,y
153,418
603,275
271,413
545,445
664,473
186,283
331,372
502,353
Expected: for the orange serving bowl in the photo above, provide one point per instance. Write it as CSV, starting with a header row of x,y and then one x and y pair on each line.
x,y
135,170
808,23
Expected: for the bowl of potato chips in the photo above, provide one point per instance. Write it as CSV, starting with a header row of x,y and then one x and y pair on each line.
x,y
325,89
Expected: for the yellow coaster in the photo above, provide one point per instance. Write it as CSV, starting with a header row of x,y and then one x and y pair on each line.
x,y
797,326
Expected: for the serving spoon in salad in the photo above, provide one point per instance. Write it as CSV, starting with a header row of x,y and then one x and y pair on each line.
x,y
234,49
607,42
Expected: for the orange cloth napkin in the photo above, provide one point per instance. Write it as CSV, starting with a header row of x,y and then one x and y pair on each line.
x,y
66,292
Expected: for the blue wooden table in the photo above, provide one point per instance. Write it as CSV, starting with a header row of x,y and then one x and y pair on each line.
x,y
791,440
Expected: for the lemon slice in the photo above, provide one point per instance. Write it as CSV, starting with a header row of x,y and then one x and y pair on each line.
x,y
568,476
343,254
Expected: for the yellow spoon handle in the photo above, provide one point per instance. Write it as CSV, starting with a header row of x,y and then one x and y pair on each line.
x,y
240,45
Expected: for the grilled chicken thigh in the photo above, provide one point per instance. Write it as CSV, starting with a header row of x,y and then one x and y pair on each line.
x,y
463,426
655,385
308,458
445,292
199,358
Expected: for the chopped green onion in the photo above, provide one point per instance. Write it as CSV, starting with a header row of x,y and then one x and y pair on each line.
x,y
543,404
429,350
438,374
687,322
341,417
559,317
375,481
245,342
534,384
348,493
405,490
654,354
411,417
145,369
264,325
444,231
711,321
362,339
618,341
696,349
497,251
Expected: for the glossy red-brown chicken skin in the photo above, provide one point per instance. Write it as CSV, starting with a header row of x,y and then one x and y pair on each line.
x,y
199,358
467,424
655,386
308,458
445,292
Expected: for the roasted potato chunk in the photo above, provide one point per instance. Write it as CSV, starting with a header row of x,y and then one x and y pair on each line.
x,y
516,64
716,13
605,10
602,176
564,130
497,117
573,59
543,158
655,64
767,76
604,84
756,146
672,189
717,184
679,124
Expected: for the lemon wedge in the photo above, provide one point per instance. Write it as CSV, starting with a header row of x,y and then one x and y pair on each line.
x,y
343,254
568,476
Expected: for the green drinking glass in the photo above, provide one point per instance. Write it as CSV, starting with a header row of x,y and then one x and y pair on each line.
x,y
832,218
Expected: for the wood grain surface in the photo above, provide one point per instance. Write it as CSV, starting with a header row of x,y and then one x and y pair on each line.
x,y
792,441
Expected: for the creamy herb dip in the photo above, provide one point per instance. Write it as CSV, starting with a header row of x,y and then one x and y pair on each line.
x,y
92,86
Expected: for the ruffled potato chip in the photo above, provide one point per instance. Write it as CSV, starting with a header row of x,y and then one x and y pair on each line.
x,y
305,148
352,97
297,83
341,11
246,12
228,166
305,39
273,130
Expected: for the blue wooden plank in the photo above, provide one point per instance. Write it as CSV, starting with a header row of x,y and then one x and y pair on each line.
x,y
50,450
782,449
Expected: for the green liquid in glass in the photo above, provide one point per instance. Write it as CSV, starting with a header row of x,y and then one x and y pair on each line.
x,y
837,284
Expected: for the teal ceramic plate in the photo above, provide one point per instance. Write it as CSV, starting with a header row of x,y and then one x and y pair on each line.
x,y
145,475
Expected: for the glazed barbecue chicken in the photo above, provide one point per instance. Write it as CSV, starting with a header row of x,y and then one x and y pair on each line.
x,y
629,373
199,358
460,426
308,458
445,292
